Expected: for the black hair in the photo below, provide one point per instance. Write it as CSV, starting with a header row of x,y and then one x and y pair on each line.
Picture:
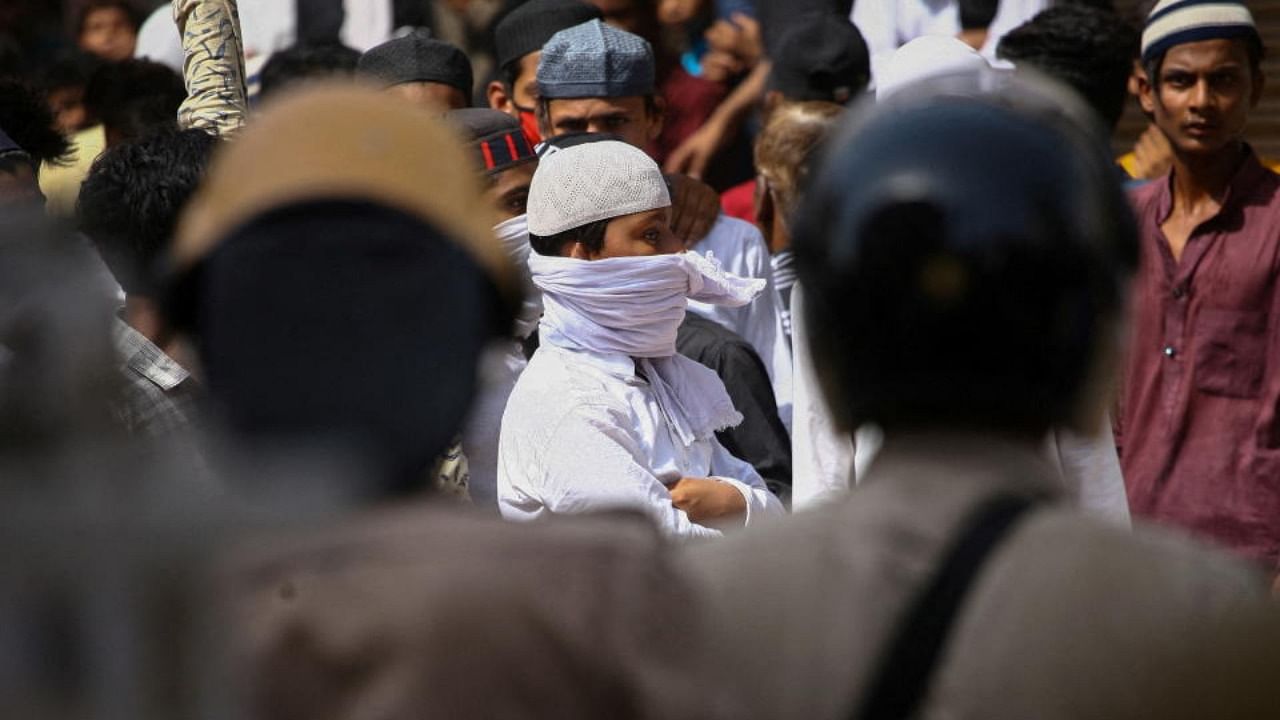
x,y
128,8
307,61
130,201
508,75
977,14
1090,50
135,97
72,71
590,235
25,117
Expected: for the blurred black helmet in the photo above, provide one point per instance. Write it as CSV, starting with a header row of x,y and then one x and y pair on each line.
x,y
964,249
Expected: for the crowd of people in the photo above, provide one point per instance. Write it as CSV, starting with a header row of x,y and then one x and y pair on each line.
x,y
747,358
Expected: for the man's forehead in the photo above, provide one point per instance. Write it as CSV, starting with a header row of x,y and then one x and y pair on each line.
x,y
1215,52
513,179
529,67
589,107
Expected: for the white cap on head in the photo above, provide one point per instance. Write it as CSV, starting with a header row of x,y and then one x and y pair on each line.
x,y
923,58
593,181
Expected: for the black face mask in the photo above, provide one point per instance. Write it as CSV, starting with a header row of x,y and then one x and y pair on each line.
x,y
345,324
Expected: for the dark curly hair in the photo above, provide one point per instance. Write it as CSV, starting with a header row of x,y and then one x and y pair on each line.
x,y
25,117
307,61
135,97
1090,50
130,202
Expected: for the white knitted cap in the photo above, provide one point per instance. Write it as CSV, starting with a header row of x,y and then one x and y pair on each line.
x,y
593,181
923,58
1174,22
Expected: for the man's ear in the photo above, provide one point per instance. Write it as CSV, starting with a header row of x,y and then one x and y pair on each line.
x,y
1259,83
657,118
498,97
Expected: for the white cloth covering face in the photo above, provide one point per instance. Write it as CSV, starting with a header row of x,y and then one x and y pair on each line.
x,y
633,306
514,236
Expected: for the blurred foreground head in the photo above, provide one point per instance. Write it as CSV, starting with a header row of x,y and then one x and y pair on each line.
x,y
967,246
340,275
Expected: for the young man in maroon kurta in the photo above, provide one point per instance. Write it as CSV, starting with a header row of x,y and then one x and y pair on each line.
x,y
1200,432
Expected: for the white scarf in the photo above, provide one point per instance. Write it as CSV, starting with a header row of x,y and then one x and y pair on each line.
x,y
514,236
634,306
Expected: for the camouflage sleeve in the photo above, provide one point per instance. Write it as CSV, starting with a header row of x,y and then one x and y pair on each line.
x,y
217,100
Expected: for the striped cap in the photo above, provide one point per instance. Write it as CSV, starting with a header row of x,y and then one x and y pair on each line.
x,y
1174,22
496,138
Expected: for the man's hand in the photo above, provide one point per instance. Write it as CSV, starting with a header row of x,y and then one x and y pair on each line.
x,y
1152,154
707,501
693,155
694,208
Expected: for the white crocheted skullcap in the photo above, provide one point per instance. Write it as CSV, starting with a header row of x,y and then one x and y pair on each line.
x,y
923,58
593,181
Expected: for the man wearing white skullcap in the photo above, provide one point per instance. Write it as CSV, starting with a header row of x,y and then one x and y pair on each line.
x,y
607,415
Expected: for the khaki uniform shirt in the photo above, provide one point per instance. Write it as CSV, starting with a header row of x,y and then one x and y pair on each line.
x,y
1071,617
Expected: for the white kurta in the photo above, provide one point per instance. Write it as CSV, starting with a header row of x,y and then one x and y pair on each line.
x,y
741,250
825,462
887,25
582,433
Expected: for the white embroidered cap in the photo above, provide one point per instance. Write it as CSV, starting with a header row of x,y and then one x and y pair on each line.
x,y
923,58
579,185
1174,22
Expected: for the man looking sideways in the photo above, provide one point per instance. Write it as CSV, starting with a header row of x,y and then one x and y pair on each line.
x,y
1200,416
607,415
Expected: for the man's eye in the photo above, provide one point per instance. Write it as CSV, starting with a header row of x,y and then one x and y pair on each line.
x,y
652,236
616,121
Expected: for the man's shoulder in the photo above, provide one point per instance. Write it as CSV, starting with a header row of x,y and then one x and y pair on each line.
x,y
410,581
706,340
1143,195
554,388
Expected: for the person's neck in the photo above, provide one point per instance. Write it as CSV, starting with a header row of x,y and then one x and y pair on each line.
x,y
142,315
1203,179
974,38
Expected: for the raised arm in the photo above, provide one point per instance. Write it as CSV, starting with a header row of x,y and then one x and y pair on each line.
x,y
213,69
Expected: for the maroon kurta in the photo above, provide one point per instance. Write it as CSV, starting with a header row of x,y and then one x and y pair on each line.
x,y
1198,426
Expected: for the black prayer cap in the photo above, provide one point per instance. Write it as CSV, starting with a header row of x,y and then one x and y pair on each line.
x,y
820,56
527,28
496,137
418,58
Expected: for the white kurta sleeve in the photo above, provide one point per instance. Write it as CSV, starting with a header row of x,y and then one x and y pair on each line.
x,y
1091,472
592,463
822,457
761,503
